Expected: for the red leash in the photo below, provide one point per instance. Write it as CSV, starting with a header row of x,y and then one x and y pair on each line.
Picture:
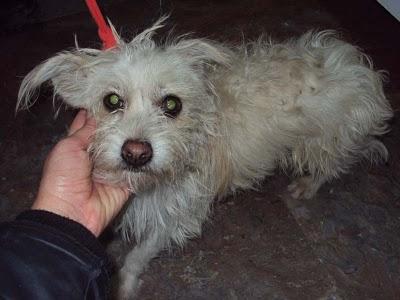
x,y
105,32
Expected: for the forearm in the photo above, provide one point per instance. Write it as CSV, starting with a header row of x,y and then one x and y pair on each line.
x,y
46,256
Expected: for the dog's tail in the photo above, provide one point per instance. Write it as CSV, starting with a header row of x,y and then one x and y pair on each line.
x,y
345,63
375,151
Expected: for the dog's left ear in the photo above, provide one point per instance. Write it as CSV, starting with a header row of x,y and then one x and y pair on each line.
x,y
202,52
67,73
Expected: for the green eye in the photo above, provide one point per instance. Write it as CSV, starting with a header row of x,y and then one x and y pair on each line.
x,y
171,106
113,102
114,99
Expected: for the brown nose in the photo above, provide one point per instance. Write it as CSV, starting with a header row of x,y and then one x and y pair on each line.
x,y
136,153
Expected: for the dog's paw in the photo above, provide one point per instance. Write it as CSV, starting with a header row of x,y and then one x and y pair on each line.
x,y
303,188
129,286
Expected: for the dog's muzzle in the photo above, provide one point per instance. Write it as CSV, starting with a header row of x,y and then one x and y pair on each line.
x,y
136,153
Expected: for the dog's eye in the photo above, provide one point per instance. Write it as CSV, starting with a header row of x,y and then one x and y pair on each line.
x,y
171,105
113,102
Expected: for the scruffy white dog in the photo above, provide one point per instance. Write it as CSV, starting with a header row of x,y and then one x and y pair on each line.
x,y
188,120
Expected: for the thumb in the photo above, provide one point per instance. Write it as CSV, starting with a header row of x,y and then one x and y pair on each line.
x,y
122,195
79,121
85,133
112,198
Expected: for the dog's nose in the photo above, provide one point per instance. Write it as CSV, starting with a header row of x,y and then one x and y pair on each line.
x,y
136,153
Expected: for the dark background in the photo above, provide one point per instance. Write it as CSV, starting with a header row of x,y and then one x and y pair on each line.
x,y
343,244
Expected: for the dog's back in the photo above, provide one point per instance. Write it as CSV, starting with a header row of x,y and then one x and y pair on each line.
x,y
313,104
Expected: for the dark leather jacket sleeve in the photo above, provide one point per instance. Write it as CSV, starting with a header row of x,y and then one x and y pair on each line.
x,y
46,256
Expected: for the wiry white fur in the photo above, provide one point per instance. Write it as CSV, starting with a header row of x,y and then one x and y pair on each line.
x,y
312,105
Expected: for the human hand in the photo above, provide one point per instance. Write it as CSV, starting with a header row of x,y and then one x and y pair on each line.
x,y
67,187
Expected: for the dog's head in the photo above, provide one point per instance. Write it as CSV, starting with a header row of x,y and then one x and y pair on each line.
x,y
153,103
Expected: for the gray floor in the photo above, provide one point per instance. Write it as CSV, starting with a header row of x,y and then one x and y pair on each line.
x,y
343,244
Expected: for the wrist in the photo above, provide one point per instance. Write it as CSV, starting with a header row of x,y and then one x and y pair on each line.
x,y
67,210
62,228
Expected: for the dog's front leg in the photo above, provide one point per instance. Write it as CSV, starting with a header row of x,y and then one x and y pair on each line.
x,y
135,262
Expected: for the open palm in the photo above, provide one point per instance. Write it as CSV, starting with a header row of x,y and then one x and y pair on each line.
x,y
67,187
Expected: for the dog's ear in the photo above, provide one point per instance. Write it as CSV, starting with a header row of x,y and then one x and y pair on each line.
x,y
67,74
202,52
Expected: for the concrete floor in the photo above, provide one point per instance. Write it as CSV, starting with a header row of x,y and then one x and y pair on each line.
x,y
343,244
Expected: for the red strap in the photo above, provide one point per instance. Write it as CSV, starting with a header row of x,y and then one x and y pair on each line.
x,y
105,32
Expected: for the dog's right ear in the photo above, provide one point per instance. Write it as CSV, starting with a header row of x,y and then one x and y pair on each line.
x,y
201,52
67,73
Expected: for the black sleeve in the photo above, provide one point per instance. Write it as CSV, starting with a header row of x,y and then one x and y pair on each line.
x,y
46,256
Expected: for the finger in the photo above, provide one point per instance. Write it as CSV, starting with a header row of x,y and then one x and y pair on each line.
x,y
120,197
78,122
111,200
85,133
